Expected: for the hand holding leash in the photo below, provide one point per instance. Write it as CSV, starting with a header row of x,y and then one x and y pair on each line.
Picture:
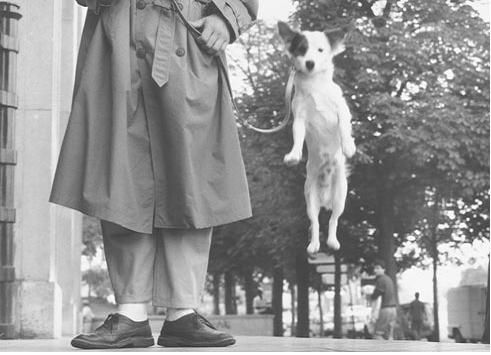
x,y
196,33
214,34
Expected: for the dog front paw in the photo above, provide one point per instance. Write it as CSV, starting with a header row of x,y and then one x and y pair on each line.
x,y
349,148
292,159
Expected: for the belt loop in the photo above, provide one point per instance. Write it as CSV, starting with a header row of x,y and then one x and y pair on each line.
x,y
165,41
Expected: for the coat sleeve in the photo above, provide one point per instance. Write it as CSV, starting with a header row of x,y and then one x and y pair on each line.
x,y
239,14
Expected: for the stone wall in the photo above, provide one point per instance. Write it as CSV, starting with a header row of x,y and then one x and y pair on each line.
x,y
47,237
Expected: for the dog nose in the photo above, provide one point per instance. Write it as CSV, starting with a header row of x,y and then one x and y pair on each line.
x,y
310,64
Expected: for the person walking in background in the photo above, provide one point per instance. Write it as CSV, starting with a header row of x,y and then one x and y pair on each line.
x,y
384,288
417,314
152,150
87,317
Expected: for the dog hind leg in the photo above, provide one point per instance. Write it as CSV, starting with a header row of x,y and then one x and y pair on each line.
x,y
313,209
338,198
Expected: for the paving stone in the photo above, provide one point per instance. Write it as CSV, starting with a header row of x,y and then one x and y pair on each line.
x,y
269,344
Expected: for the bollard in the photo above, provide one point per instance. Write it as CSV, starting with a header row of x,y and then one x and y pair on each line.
x,y
9,17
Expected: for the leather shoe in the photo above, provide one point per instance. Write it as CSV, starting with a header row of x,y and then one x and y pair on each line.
x,y
192,330
116,332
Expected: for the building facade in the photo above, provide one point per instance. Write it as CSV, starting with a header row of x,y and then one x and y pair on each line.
x,y
44,301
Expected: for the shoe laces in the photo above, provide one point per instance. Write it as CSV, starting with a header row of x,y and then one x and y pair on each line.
x,y
205,321
110,322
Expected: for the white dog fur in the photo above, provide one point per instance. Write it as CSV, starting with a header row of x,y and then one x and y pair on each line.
x,y
322,119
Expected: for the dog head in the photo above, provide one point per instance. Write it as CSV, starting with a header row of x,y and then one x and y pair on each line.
x,y
312,52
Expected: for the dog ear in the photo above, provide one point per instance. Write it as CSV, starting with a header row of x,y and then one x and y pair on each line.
x,y
286,33
336,37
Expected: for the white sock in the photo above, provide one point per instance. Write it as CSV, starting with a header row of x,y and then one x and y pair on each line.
x,y
176,313
137,312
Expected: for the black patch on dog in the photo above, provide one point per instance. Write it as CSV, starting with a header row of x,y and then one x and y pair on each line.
x,y
299,45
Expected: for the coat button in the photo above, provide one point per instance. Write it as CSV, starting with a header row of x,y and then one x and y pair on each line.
x,y
180,52
141,4
140,52
180,6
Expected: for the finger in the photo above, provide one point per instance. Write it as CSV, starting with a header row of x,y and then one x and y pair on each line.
x,y
211,51
201,42
211,42
224,46
198,23
224,34
207,33
218,45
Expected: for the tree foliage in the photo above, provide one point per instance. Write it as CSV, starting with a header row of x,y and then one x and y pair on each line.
x,y
91,236
272,236
416,77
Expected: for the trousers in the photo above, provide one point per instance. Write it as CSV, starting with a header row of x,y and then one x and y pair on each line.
x,y
384,327
167,267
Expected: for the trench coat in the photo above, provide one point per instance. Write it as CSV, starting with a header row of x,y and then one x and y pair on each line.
x,y
151,140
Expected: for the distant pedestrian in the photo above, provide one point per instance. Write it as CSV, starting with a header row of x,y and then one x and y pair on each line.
x,y
384,288
87,317
417,314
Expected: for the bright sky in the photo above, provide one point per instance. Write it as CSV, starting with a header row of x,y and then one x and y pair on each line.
x,y
482,6
274,10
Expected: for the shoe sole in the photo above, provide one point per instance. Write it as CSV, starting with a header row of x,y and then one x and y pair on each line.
x,y
136,342
177,342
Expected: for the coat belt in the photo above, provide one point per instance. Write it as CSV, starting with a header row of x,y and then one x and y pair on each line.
x,y
165,38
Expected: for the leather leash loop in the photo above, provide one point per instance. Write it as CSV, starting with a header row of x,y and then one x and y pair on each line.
x,y
288,107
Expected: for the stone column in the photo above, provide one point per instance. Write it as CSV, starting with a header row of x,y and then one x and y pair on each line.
x,y
48,237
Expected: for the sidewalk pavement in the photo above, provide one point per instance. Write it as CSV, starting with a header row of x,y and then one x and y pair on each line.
x,y
270,344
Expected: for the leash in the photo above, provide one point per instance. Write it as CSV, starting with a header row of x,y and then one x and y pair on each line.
x,y
288,107
289,87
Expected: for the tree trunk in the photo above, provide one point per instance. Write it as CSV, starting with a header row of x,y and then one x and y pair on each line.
x,y
319,302
485,336
293,302
434,253
216,293
338,331
230,304
250,291
386,229
302,270
277,302
436,333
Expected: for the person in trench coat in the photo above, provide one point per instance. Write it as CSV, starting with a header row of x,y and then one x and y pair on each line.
x,y
152,149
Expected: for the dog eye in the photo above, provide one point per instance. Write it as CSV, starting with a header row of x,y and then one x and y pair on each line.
x,y
321,50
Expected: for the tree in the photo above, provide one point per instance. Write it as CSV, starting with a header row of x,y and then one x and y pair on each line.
x,y
417,77
91,236
98,282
